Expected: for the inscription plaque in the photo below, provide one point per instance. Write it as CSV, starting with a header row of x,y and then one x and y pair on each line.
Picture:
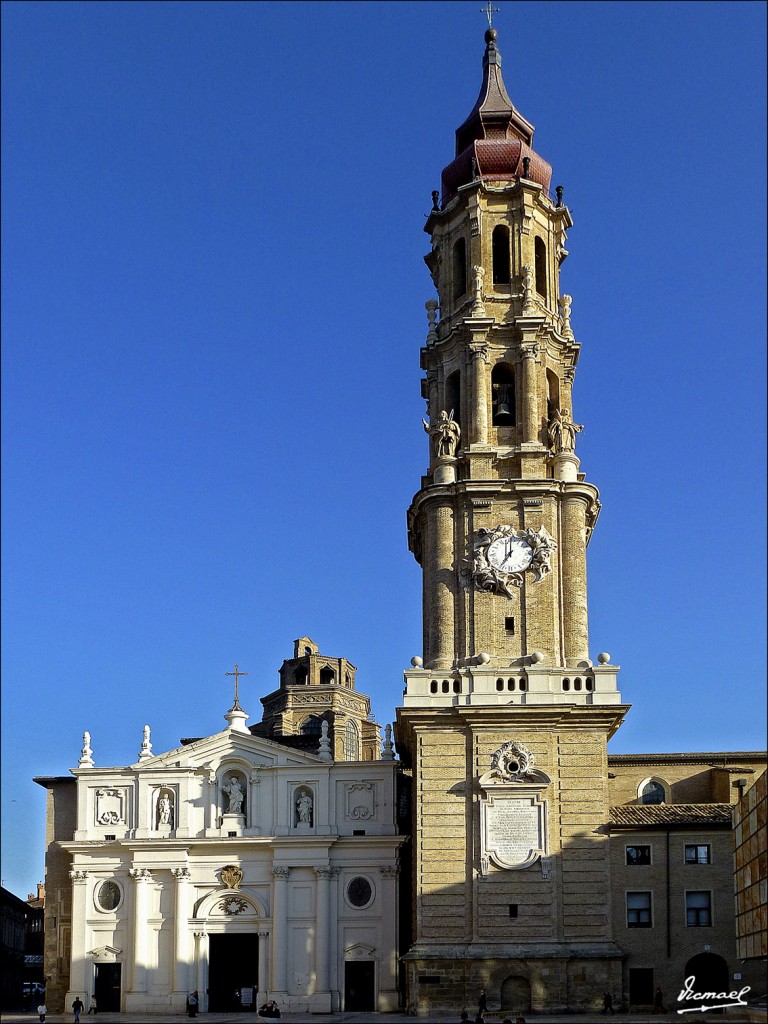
x,y
514,830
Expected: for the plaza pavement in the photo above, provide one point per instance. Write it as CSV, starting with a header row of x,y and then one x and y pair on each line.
x,y
734,1015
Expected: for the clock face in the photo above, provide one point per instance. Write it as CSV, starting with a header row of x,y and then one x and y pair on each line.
x,y
510,554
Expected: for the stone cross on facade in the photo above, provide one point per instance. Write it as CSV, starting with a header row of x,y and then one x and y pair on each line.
x,y
237,673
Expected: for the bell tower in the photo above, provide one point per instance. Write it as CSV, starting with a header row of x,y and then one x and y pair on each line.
x,y
505,716
502,521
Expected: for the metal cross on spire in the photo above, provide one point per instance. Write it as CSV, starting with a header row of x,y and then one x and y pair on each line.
x,y
489,12
237,673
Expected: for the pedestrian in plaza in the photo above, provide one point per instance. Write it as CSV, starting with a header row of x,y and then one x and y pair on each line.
x,y
658,1002
192,1002
93,1008
42,1010
482,1003
77,1008
607,1002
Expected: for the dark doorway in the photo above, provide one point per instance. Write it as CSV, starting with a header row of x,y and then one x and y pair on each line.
x,y
641,986
106,987
711,974
233,965
359,986
516,995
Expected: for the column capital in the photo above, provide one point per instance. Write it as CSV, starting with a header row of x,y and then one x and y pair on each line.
x,y
390,871
281,872
181,874
324,872
478,350
78,876
140,874
530,349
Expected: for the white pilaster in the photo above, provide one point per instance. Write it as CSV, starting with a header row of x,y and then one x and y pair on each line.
x,y
79,974
201,969
141,878
264,961
387,998
181,931
322,941
279,930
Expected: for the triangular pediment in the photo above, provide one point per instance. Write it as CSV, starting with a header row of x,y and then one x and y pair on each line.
x,y
105,953
227,745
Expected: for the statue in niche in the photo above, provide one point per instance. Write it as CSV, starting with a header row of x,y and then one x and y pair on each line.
x,y
562,432
304,809
164,809
446,433
235,793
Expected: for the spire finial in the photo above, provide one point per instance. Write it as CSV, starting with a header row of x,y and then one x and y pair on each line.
x,y
237,673
489,12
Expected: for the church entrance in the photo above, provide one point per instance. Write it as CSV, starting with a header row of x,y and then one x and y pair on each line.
x,y
359,985
106,987
233,972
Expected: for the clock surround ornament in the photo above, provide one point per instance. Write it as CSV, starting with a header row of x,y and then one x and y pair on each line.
x,y
502,556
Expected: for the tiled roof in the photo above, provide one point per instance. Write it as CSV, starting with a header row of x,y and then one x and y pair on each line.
x,y
656,815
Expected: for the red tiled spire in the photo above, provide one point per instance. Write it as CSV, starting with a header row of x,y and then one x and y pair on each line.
x,y
495,139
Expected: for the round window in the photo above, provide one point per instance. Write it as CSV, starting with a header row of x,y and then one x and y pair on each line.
x,y
359,892
108,896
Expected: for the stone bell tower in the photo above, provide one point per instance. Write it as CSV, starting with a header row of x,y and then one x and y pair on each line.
x,y
505,717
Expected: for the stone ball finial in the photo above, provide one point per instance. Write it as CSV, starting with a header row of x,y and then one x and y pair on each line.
x,y
603,657
483,658
536,658
491,35
417,662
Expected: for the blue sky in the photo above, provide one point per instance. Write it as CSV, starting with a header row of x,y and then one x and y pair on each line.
x,y
213,303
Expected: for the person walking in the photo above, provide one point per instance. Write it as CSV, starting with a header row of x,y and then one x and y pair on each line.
x,y
77,1008
482,1003
192,1003
607,1002
658,1002
42,1010
93,1008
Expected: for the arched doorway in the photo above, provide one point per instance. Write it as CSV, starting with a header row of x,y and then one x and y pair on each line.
x,y
711,975
516,995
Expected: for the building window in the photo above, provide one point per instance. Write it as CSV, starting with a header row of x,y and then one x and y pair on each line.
x,y
503,395
312,727
352,742
327,676
108,896
652,792
459,268
513,910
540,259
638,910
453,395
698,854
638,855
360,892
698,909
500,247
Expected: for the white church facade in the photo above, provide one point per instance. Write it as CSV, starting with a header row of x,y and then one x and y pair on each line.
x,y
235,865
